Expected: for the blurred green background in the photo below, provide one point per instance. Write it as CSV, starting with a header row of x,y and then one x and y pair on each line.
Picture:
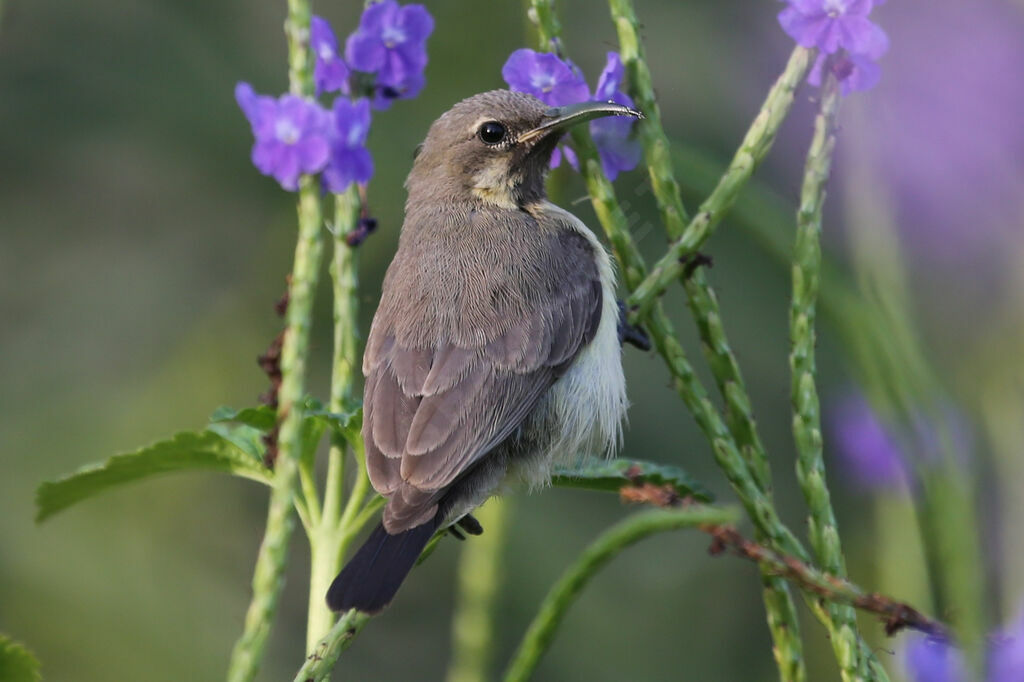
x,y
141,255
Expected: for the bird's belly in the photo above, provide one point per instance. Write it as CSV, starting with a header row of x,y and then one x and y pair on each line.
x,y
582,413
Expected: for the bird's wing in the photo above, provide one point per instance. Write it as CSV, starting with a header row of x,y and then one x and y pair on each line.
x,y
431,412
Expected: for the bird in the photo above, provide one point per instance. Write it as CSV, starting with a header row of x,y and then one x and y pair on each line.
x,y
495,351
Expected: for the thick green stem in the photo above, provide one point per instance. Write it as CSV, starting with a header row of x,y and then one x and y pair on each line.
x,y
821,522
779,607
324,655
555,605
780,610
479,577
689,388
328,537
755,146
685,381
657,151
268,578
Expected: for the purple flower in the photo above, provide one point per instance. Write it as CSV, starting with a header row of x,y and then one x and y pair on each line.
x,y
329,72
834,25
934,660
618,151
291,134
957,204
546,77
350,161
868,452
570,157
855,72
1006,656
558,82
831,25
391,42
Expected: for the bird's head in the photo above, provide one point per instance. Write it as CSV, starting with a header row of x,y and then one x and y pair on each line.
x,y
495,148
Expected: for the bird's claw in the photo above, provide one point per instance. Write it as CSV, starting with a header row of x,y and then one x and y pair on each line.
x,y
629,333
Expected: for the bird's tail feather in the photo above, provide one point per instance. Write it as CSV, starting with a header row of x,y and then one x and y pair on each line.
x,y
373,575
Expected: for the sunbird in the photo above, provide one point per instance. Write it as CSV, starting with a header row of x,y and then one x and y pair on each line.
x,y
495,351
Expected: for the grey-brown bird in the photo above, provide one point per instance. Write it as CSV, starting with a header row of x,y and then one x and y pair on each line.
x,y
495,349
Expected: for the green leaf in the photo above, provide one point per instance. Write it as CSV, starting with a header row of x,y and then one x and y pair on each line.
x,y
613,475
347,424
206,450
17,664
246,438
262,417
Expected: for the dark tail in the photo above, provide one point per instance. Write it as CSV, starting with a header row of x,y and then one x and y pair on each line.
x,y
372,577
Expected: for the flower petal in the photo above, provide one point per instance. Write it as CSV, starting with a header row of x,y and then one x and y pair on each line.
x,y
365,51
416,23
611,78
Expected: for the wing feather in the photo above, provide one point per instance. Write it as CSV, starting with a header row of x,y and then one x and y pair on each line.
x,y
442,392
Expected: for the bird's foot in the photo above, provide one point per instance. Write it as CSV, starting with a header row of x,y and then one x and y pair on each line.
x,y
469,524
630,333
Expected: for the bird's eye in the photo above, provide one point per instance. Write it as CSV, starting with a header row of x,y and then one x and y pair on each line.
x,y
492,132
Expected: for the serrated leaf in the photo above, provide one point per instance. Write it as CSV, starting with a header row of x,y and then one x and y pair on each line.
x,y
613,475
17,664
206,450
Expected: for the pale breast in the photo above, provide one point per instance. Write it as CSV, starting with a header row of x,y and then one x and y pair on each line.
x,y
584,410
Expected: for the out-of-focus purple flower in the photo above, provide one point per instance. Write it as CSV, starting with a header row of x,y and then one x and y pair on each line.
x,y
618,151
291,134
546,77
831,25
958,203
934,660
350,161
570,157
1006,655
329,72
392,42
867,450
853,71
558,82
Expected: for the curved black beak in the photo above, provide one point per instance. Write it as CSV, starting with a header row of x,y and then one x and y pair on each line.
x,y
565,117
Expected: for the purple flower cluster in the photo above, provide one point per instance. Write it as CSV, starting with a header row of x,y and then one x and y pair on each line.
x,y
296,136
849,43
392,43
558,82
871,453
932,660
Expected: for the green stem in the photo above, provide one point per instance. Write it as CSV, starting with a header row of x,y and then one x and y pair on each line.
x,y
479,577
325,654
780,610
684,380
657,151
821,522
689,388
268,578
328,537
754,147
555,605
